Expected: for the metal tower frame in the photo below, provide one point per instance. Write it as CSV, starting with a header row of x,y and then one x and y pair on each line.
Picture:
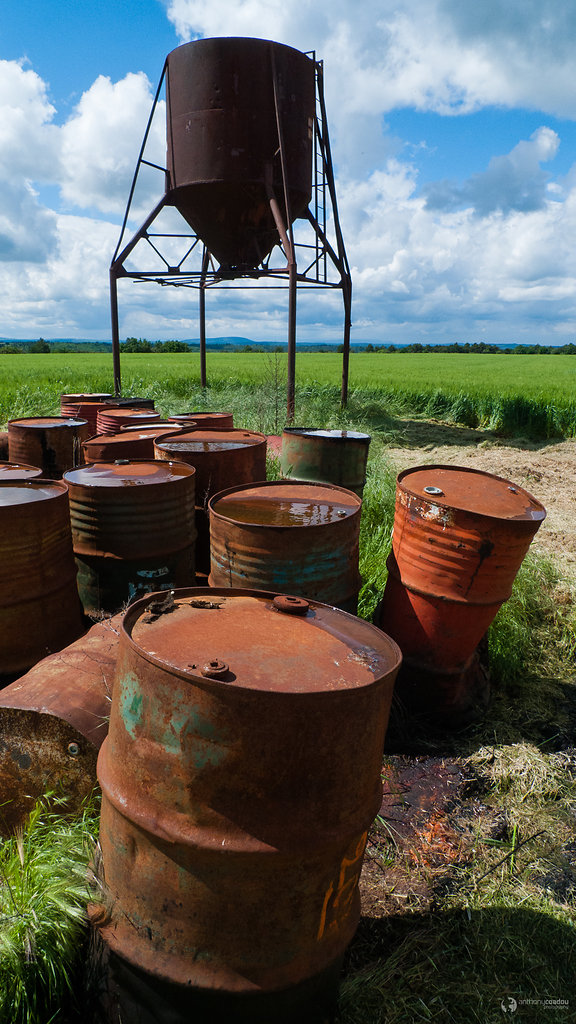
x,y
197,268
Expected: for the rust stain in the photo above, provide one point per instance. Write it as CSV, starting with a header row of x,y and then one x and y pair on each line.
x,y
239,777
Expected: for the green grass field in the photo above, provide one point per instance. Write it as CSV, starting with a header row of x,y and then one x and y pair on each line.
x,y
534,395
465,934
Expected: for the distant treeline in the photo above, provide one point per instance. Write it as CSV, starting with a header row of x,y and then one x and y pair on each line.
x,y
143,345
479,347
10,348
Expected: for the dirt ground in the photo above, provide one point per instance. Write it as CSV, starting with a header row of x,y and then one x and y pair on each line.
x,y
427,814
545,469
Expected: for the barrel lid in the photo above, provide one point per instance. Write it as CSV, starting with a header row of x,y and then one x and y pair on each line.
x,y
85,396
124,438
134,414
22,492
149,429
294,646
18,471
118,437
127,473
331,435
471,490
211,440
286,504
48,421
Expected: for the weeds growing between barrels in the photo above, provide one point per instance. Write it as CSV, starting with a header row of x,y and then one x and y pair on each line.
x,y
475,913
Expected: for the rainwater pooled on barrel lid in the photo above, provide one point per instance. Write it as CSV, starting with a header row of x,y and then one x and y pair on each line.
x,y
41,422
22,492
200,441
286,504
127,473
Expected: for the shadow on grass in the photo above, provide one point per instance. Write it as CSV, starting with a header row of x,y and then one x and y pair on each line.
x,y
536,710
421,433
472,965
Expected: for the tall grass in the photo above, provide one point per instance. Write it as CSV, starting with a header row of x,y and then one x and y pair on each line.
x,y
528,395
376,531
43,896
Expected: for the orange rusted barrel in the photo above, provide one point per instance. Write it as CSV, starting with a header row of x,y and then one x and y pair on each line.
x,y
127,443
52,442
459,538
222,459
110,419
83,410
241,772
205,420
330,456
40,611
133,530
3,444
18,471
53,720
301,538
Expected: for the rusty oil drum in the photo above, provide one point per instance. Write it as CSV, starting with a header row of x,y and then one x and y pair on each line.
x,y
329,456
222,459
241,772
53,721
40,611
460,536
111,419
84,410
301,538
52,442
226,98
205,420
133,530
128,443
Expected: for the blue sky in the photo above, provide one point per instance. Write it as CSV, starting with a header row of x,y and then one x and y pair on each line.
x,y
453,128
